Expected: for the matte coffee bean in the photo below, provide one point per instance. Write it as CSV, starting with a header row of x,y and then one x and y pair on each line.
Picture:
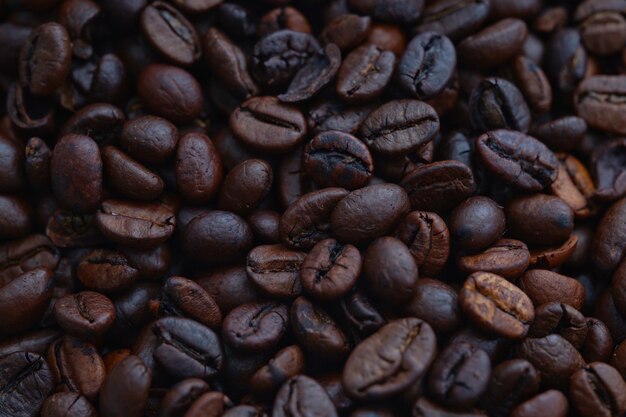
x,y
330,270
395,11
177,399
198,168
337,159
540,219
217,237
428,239
25,382
508,258
76,172
459,375
437,303
602,26
170,92
598,390
561,319
266,124
67,404
283,18
597,102
24,300
125,390
399,127
141,226
229,287
87,314
390,360
37,156
45,59
301,396
608,242
494,304
494,45
607,166
598,345
308,220
390,271
476,224
100,121
245,186
275,270
317,332
427,65
255,327
346,31
287,363
149,139
106,271
365,73
546,286
518,159
360,315
128,177
496,103
369,212
549,403
170,33
533,83
512,382
454,20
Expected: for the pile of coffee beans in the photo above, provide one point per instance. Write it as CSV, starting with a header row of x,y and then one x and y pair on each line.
x,y
312,208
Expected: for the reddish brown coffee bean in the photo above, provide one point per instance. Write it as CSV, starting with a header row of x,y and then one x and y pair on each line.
x,y
508,258
245,186
540,219
549,403
24,300
198,168
86,314
106,271
275,270
128,177
543,286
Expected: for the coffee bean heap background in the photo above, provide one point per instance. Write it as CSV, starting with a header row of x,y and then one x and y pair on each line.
x,y
307,208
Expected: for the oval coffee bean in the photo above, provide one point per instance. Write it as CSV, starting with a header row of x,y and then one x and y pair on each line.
x,y
498,104
540,219
365,73
347,31
128,177
598,390
106,271
561,319
597,100
476,224
360,315
551,402
126,388
87,314
608,242
275,270
453,19
184,297
149,139
436,303
198,168
512,382
67,404
302,396
508,258
495,305
390,360
20,256
24,300
543,286
246,186
255,327
399,127
25,382
229,287
287,363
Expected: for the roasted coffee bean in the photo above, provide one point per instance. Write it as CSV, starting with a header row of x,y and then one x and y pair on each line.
x,y
598,345
141,226
390,360
25,382
365,73
425,408
337,159
24,300
399,127
178,398
336,115
608,242
287,363
106,271
435,302
389,270
245,186
395,11
428,240
37,156
549,403
476,224
198,168
36,342
186,348
459,375
548,257
598,390
302,396
265,225
608,167
540,219
359,315
574,185
563,134
439,186
212,403
347,31
495,305
76,172
566,59
126,388
533,83
45,59
283,18
508,258
308,220
494,45
128,177
100,121
317,332
86,314
427,65
602,26
597,101
268,125
351,219
12,170
29,115
275,270
292,180
255,327
453,19
512,382
543,286
229,287
66,229
331,382
518,159
25,255
67,404
149,139
497,104
561,319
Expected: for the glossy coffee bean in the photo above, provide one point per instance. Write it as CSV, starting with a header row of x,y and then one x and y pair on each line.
x,y
508,258
67,404
106,271
512,382
437,303
595,102
255,327
125,390
287,363
24,300
149,139
128,177
539,219
609,237
245,186
551,402
598,345
498,104
346,31
26,381
274,270
85,314
598,390
301,396
365,73
494,45
229,287
476,224
198,168
561,319
533,83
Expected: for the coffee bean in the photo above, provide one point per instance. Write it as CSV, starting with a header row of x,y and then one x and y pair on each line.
x,y
551,402
287,363
566,60
24,300
25,382
508,258
435,302
125,390
66,229
100,121
229,287
476,224
245,186
198,168
425,408
608,242
365,73
346,31
255,327
149,139
598,390
543,286
29,115
275,270
574,185
24,255
533,83
67,404
360,315
597,102
283,18
395,11
498,104
268,125
454,20
180,396
602,26
399,127
128,177
561,319
607,165
540,219
301,396
494,45
337,159
212,403
598,345
512,382
495,305
85,314
548,257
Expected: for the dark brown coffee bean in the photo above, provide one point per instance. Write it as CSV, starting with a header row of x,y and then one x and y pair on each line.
x,y
359,315
574,185
390,360
459,375
30,116
540,219
602,26
209,404
566,60
217,237
301,396
337,159
533,83
66,229
561,319
317,332
229,287
395,11
24,300
151,263
45,59
25,382
563,134
100,121
597,102
476,224
149,139
428,240
435,302
508,258
608,242
67,404
178,398
548,257
198,168
454,20
330,270
283,18
543,286
287,363
347,31
24,255
549,403
86,314
37,157
495,305
439,186
308,220
608,167
106,271
427,65
128,177
125,390
170,33
512,382
598,345
12,169
365,73
268,125
425,408
256,327
76,171
170,92
337,115
265,225
246,186
141,226
275,270
598,390
399,127
494,45
496,103
617,358
518,159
